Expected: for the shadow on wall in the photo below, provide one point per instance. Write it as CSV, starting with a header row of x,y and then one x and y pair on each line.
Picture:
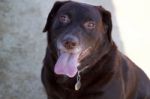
x,y
22,46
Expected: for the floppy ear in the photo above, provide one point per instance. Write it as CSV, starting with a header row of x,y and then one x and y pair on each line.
x,y
106,18
52,14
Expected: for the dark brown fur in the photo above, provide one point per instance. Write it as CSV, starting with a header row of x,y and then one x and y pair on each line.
x,y
111,75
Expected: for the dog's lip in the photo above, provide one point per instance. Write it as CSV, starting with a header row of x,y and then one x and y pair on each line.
x,y
84,53
59,51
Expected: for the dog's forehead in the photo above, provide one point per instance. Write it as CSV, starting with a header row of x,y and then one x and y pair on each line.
x,y
80,9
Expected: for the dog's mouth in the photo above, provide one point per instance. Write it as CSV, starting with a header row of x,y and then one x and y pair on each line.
x,y
68,62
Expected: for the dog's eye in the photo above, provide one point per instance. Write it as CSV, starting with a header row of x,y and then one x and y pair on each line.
x,y
90,25
64,19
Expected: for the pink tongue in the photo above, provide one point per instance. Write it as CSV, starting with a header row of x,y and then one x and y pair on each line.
x,y
67,64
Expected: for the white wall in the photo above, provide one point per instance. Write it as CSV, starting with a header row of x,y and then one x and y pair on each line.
x,y
133,18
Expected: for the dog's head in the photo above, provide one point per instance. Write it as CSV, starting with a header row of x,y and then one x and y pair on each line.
x,y
77,31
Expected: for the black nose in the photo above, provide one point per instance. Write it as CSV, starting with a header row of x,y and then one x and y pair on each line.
x,y
70,42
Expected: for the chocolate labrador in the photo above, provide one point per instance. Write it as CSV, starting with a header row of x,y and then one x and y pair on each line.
x,y
83,62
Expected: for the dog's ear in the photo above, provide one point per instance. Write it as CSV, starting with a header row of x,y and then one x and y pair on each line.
x,y
52,14
106,18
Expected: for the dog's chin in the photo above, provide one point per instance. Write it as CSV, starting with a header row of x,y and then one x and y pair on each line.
x,y
62,78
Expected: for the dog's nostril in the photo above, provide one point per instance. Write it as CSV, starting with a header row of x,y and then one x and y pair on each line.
x,y
69,44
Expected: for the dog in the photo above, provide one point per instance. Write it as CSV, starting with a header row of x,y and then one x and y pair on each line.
x,y
82,61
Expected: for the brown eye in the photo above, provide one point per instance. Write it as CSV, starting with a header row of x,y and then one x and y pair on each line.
x,y
64,19
90,25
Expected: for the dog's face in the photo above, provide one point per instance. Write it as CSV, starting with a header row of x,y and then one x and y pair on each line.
x,y
76,31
